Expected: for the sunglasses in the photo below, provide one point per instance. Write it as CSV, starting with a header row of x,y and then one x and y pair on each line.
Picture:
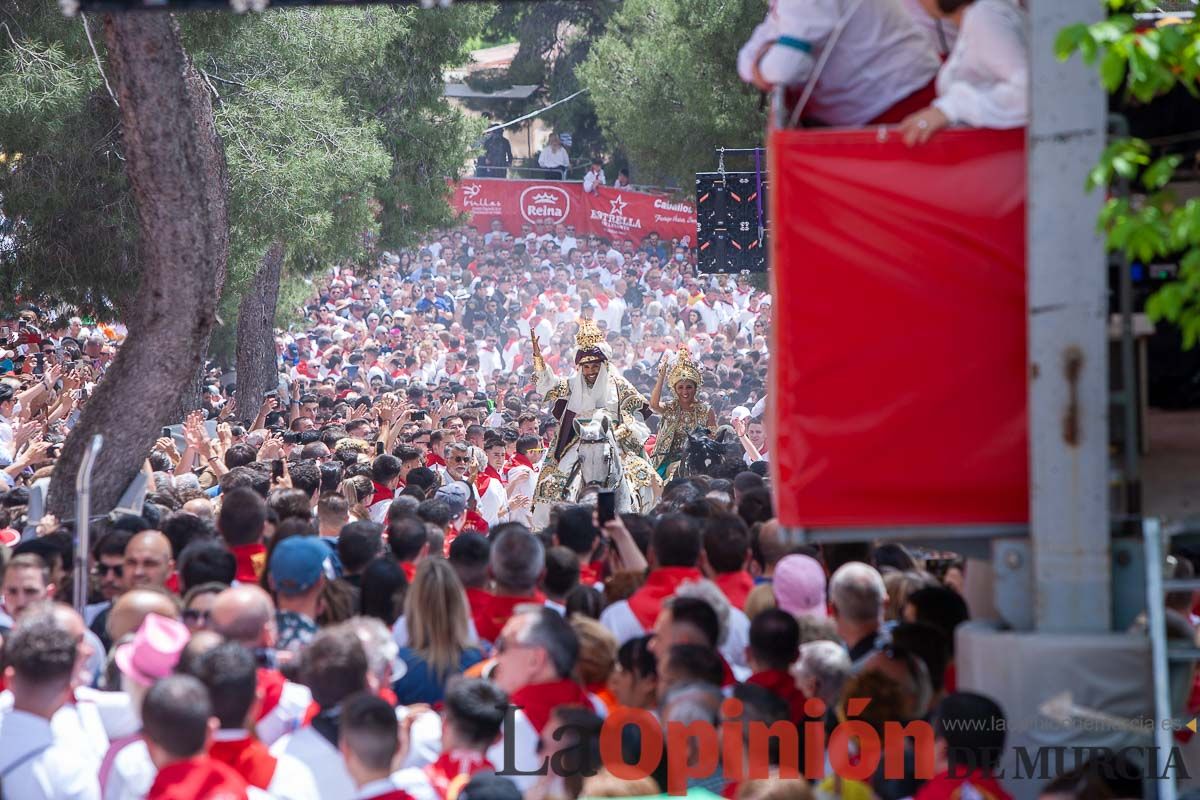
x,y
461,459
100,570
194,616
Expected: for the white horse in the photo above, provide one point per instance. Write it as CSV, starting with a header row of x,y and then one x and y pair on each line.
x,y
600,464
594,461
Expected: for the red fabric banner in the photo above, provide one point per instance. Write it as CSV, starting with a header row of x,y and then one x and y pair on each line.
x,y
608,213
899,383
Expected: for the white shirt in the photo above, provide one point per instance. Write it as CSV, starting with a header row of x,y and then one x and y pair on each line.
x,y
293,780
492,502
286,716
550,158
619,619
985,82
880,58
6,441
322,759
85,727
592,179
521,482
132,773
941,32
612,315
51,773
490,360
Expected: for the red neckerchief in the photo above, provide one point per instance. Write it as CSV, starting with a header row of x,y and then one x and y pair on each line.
x,y
394,794
647,601
522,460
735,586
491,472
247,757
591,574
491,611
251,561
453,770
270,685
602,301
539,700
474,522
409,569
197,777
432,459
728,679
780,683
945,786
381,494
482,480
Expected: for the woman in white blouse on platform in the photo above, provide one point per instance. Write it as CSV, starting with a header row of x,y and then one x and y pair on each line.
x,y
985,81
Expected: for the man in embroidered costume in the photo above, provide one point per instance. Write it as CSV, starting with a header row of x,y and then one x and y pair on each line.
x,y
592,389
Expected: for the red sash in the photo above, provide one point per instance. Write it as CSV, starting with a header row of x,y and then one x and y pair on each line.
x,y
647,601
920,99
735,585
251,561
539,700
247,757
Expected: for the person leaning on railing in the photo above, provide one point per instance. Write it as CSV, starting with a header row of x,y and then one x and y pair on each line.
x,y
555,157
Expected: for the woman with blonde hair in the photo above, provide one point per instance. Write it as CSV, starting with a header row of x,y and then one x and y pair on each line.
x,y
899,586
357,491
439,639
597,657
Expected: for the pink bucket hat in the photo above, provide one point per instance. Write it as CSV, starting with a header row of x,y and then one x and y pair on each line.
x,y
154,651
799,585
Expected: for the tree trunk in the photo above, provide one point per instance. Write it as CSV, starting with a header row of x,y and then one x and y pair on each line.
x,y
176,167
256,374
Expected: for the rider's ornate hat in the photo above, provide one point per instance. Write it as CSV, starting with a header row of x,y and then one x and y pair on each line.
x,y
589,343
685,369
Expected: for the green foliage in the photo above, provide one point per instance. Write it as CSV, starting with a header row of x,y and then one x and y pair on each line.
x,y
327,116
1150,224
666,71
555,38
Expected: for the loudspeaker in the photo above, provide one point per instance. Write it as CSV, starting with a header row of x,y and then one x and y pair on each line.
x,y
731,216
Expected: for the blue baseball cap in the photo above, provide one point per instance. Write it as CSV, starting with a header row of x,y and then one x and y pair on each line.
x,y
297,564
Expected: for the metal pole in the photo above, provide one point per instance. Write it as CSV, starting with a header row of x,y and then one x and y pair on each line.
x,y
83,499
1156,621
1068,332
1131,482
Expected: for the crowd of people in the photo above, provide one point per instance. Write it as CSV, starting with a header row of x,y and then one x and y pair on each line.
x,y
339,592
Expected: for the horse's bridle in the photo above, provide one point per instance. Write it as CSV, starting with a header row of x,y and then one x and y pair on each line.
x,y
610,455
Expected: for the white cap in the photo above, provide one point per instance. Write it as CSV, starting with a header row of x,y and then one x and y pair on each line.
x,y
740,412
